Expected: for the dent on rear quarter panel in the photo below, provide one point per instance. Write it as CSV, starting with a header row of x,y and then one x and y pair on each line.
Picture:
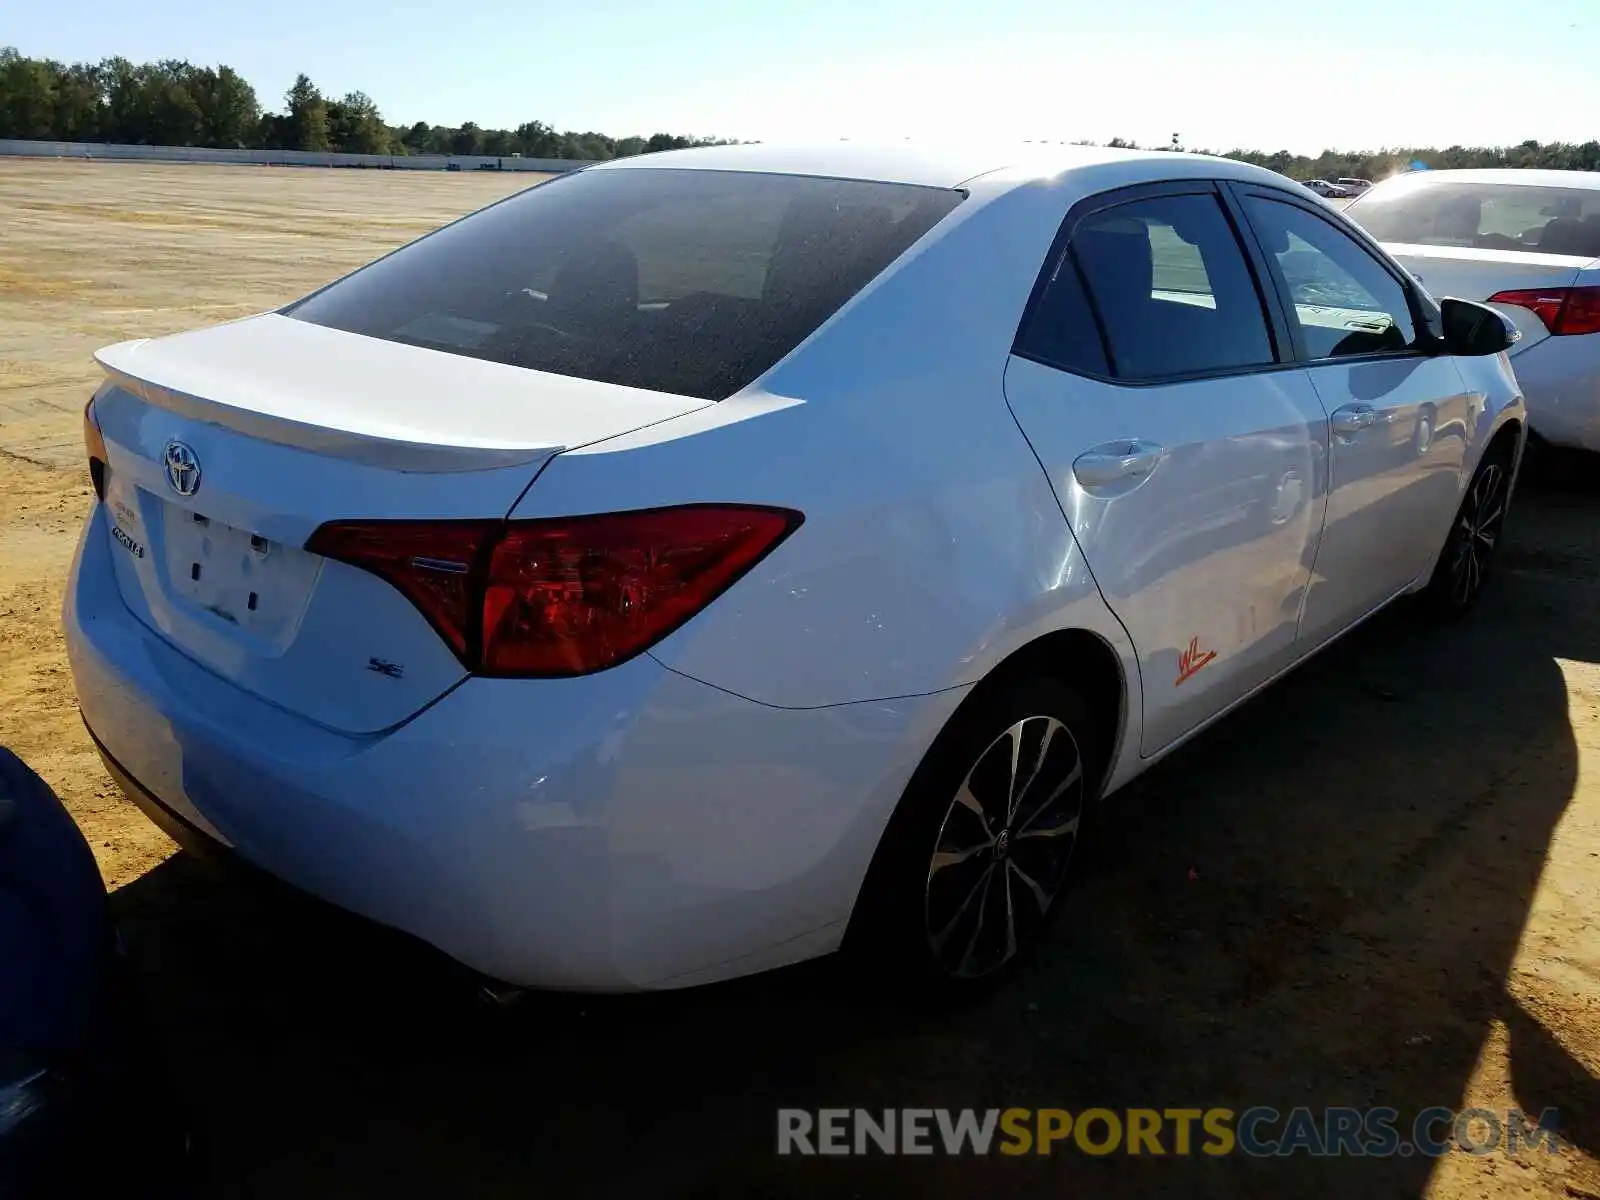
x,y
932,544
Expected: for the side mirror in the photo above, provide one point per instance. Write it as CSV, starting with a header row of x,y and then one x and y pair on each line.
x,y
1472,329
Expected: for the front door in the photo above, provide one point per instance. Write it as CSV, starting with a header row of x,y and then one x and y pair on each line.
x,y
1399,417
1184,445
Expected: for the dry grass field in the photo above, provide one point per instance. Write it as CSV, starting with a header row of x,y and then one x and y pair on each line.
x,y
97,252
1379,887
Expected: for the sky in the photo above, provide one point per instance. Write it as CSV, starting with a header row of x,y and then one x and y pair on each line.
x,y
1258,74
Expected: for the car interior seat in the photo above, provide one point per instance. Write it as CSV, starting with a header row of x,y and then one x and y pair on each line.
x,y
1569,235
1152,336
821,250
1458,219
596,288
1118,263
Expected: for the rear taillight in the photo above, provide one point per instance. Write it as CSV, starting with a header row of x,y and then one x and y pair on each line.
x,y
1563,310
437,565
563,596
94,443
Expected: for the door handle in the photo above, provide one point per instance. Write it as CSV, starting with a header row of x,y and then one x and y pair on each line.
x,y
1116,462
1353,418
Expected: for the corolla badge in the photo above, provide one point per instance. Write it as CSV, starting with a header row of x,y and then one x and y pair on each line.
x,y
183,467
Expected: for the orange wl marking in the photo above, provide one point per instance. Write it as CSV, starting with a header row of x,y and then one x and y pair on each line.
x,y
1191,661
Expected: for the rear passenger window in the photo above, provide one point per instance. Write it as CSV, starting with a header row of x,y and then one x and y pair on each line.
x,y
1170,287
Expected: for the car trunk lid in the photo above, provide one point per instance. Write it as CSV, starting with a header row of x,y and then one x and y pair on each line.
x,y
227,447
1472,274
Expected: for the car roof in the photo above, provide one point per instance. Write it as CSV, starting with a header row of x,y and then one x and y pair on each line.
x,y
932,164
1513,175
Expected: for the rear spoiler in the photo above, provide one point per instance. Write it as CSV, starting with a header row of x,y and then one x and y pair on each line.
x,y
376,401
367,449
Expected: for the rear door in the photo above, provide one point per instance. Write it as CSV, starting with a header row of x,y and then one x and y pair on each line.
x,y
1400,416
1153,377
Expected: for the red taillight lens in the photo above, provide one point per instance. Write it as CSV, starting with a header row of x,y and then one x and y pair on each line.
x,y
564,596
1562,310
434,564
567,597
94,443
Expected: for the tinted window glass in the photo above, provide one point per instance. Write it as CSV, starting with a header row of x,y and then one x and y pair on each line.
x,y
1485,216
1172,288
1062,329
692,282
1344,300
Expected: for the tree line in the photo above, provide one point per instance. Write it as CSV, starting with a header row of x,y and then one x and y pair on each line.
x,y
1378,164
175,103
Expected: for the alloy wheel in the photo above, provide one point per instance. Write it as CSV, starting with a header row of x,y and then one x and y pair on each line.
x,y
1477,531
1004,847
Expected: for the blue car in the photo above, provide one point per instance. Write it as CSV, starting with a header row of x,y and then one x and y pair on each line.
x,y
83,1100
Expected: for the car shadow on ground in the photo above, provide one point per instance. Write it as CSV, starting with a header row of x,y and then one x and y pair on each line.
x,y
1316,903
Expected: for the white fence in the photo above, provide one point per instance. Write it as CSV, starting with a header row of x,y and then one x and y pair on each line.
x,y
284,158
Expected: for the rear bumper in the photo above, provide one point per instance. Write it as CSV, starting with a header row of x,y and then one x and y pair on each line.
x,y
630,829
191,838
1560,379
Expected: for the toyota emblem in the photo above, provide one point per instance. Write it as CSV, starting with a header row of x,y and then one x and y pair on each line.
x,y
183,468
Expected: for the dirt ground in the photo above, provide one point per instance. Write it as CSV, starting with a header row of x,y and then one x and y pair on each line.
x,y
1381,886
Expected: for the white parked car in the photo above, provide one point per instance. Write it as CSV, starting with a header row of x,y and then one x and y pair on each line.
x,y
707,559
1527,242
1354,186
1328,191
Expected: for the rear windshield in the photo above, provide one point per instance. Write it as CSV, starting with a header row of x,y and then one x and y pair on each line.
x,y
690,282
1484,216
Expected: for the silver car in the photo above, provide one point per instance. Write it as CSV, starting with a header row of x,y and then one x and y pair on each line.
x,y
713,559
1527,242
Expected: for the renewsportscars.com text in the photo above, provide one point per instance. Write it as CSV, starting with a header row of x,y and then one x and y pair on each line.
x,y
1259,1131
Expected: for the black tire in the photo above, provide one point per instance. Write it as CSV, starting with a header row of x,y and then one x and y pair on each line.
x,y
1475,534
926,922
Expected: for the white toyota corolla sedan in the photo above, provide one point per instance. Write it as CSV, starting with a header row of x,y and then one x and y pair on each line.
x,y
1527,242
706,560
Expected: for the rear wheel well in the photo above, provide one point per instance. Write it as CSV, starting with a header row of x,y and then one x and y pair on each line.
x,y
1076,659
1084,662
1504,443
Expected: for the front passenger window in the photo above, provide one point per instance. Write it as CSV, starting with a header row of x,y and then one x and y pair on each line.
x,y
1344,301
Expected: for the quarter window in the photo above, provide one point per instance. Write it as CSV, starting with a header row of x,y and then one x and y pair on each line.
x,y
1345,302
1062,330
1170,287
